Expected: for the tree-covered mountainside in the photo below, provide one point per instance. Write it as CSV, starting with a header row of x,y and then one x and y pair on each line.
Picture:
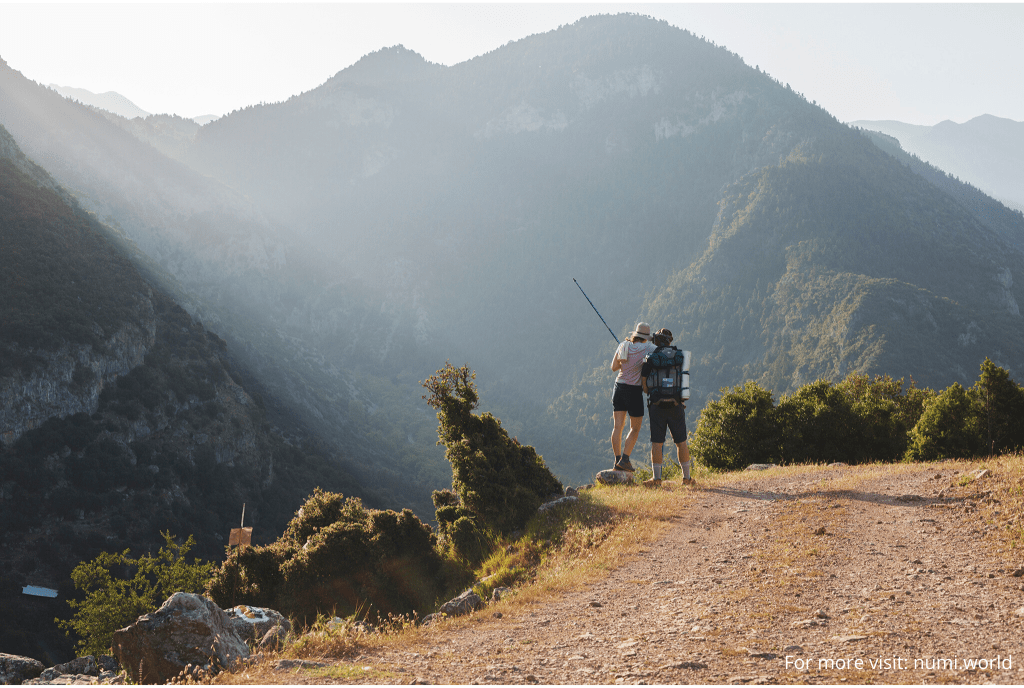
x,y
425,213
121,415
999,218
678,183
233,270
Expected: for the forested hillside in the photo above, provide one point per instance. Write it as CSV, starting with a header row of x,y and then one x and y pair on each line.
x,y
221,259
677,183
121,415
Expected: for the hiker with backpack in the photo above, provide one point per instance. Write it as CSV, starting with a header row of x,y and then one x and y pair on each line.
x,y
628,395
665,377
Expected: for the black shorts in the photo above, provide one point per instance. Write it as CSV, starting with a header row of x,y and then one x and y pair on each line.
x,y
673,418
629,398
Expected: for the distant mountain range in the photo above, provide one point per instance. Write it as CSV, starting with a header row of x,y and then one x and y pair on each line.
x,y
986,151
114,102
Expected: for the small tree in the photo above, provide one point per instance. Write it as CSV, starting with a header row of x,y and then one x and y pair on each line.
x,y
818,424
949,427
1001,402
497,479
112,602
887,413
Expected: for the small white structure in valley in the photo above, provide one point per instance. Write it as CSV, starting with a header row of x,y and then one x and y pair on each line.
x,y
38,592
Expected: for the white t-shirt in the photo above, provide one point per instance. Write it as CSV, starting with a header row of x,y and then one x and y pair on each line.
x,y
633,354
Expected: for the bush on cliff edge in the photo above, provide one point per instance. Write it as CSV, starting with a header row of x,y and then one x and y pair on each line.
x,y
336,557
499,482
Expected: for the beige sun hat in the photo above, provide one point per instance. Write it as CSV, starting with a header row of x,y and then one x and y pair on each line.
x,y
642,329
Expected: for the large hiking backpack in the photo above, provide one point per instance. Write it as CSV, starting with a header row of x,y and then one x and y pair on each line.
x,y
666,376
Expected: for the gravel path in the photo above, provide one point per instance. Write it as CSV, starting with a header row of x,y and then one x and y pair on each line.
x,y
836,575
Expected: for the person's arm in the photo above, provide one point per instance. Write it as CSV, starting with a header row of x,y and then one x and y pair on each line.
x,y
616,361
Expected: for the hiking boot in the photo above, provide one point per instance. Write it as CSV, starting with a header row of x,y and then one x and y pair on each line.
x,y
625,465
653,482
689,481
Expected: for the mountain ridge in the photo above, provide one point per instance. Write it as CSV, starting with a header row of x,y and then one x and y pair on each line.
x,y
959,150
111,101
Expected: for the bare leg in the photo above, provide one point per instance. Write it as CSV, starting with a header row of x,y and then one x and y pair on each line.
x,y
619,420
634,433
656,448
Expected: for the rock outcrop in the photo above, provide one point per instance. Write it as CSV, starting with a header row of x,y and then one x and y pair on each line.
x,y
81,671
554,504
252,624
465,603
187,630
71,379
15,669
613,477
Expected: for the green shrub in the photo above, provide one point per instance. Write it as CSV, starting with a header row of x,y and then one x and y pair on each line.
x,y
498,480
950,427
468,543
738,429
250,575
112,602
337,557
887,413
818,425
970,422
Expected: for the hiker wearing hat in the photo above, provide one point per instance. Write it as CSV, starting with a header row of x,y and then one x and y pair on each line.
x,y
665,378
628,395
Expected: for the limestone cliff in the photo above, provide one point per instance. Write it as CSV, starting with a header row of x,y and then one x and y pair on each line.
x,y
70,380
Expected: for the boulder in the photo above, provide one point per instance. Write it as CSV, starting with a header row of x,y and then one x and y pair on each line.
x,y
465,603
80,665
188,630
572,491
88,669
500,593
108,663
350,625
557,503
252,623
15,669
273,639
613,477
759,467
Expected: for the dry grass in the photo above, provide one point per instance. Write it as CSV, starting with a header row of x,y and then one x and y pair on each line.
x,y
993,504
615,523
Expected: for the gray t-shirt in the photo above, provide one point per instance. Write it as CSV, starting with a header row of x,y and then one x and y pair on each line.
x,y
633,354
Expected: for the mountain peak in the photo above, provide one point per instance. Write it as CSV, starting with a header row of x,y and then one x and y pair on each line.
x,y
111,101
396,63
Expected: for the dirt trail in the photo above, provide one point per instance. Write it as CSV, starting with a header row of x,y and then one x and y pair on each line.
x,y
767,580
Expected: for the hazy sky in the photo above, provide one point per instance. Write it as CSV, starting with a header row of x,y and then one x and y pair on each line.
x,y
918,63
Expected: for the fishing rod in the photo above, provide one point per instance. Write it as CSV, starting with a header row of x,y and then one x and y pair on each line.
x,y
596,311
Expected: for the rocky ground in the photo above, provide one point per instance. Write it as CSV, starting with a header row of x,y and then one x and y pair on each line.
x,y
828,575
